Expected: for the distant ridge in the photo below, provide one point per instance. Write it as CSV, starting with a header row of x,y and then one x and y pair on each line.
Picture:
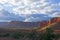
x,y
19,24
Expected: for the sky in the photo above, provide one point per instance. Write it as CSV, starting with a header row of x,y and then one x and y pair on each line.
x,y
28,10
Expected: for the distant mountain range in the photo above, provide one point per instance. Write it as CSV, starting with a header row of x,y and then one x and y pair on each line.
x,y
20,24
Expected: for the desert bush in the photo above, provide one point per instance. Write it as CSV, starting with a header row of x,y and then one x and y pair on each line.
x,y
4,35
17,35
56,36
32,35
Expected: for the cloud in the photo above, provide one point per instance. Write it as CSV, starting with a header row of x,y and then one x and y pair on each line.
x,y
36,17
31,19
55,14
1,10
19,7
31,7
36,7
26,8
3,1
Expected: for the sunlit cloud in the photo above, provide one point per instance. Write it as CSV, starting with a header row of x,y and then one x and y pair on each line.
x,y
25,8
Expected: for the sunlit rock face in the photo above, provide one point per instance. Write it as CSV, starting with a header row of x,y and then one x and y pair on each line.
x,y
52,20
53,23
56,19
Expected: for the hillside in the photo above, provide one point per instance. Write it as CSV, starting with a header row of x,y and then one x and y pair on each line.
x,y
18,24
56,27
48,22
53,23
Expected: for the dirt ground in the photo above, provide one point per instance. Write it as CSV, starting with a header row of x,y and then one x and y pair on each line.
x,y
10,38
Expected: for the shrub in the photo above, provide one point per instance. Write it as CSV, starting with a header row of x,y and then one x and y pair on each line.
x,y
4,35
17,35
32,35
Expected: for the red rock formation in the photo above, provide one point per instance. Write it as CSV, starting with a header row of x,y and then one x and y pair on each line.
x,y
55,27
46,23
43,23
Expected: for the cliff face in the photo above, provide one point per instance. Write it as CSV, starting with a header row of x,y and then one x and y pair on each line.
x,y
55,26
57,19
53,20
